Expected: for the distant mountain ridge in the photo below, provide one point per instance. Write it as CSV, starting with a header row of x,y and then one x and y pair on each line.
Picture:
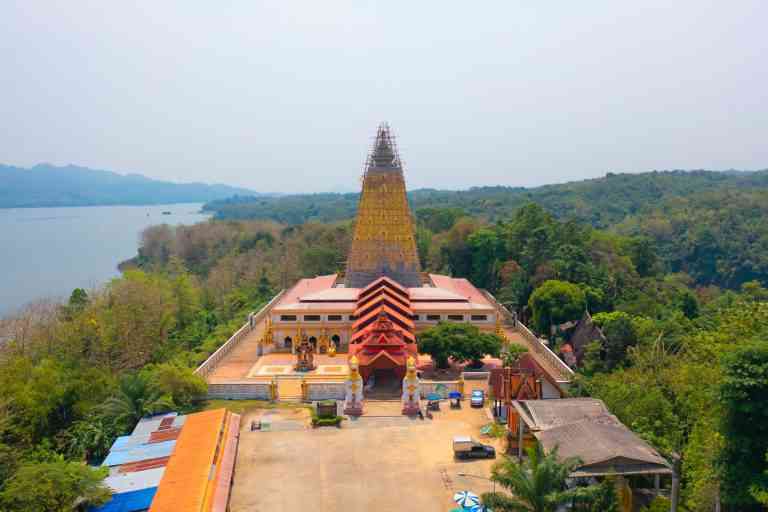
x,y
601,202
46,185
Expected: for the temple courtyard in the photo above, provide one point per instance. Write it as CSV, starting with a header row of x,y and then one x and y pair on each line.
x,y
382,461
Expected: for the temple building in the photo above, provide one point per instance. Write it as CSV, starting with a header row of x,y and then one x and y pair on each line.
x,y
304,344
375,308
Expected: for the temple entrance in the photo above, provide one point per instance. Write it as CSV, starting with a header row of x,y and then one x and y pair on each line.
x,y
384,384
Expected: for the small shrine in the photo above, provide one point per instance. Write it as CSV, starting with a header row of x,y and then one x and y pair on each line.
x,y
305,358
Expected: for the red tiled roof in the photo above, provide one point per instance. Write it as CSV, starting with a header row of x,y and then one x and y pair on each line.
x,y
406,322
460,287
383,282
307,287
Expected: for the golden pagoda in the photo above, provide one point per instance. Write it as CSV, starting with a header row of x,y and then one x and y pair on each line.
x,y
384,243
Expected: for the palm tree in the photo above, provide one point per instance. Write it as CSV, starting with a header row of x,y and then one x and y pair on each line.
x,y
137,397
536,484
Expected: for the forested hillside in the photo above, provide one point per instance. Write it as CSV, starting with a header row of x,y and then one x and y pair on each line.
x,y
599,202
678,286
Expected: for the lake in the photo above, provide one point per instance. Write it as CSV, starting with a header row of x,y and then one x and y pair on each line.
x,y
47,252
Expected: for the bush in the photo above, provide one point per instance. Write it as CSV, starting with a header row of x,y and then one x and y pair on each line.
x,y
327,422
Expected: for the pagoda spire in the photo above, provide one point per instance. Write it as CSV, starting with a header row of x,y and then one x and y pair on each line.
x,y
384,242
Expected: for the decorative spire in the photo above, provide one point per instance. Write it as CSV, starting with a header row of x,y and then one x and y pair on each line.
x,y
384,241
384,153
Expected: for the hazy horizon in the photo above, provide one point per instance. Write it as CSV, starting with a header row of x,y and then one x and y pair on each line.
x,y
285,96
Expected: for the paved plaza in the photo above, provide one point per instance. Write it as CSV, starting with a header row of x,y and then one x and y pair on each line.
x,y
382,461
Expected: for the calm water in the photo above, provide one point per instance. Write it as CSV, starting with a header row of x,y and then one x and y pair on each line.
x,y
46,252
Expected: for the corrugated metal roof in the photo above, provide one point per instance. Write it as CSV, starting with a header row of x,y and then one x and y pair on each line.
x,y
141,465
188,480
133,501
151,424
135,480
138,453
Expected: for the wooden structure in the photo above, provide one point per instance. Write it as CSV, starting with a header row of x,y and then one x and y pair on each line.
x,y
584,428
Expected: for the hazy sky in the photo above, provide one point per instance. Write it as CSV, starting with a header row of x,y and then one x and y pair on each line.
x,y
285,96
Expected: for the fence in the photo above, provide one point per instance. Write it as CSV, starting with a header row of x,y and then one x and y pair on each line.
x,y
534,343
253,320
240,391
544,352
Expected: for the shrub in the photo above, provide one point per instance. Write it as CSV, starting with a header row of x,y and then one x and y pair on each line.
x,y
327,422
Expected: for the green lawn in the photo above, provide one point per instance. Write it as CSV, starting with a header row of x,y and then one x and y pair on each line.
x,y
242,406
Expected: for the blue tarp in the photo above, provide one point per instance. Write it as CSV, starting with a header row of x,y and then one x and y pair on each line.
x,y
133,501
139,453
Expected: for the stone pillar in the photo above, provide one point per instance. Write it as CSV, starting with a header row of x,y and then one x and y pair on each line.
x,y
411,390
304,390
353,401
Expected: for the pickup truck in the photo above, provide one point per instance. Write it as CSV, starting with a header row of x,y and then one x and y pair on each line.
x,y
468,448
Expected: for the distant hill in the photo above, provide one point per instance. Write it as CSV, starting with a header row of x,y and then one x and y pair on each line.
x,y
600,202
47,185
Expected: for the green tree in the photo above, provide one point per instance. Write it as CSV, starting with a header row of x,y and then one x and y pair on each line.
x,y
458,341
512,355
744,393
56,486
688,304
487,249
136,398
180,383
555,302
536,485
620,334
319,260
89,439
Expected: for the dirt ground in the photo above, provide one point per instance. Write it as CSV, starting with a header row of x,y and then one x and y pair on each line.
x,y
380,462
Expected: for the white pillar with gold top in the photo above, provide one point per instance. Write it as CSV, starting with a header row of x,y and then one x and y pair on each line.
x,y
411,390
353,402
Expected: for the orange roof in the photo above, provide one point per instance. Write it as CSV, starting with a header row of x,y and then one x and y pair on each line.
x,y
459,286
406,322
382,282
306,287
187,483
384,293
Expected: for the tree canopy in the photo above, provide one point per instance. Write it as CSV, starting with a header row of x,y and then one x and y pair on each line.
x,y
461,342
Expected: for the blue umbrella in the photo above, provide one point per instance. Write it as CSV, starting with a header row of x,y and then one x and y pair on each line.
x,y
433,396
454,394
467,499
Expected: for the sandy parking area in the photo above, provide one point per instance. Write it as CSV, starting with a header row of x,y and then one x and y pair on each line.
x,y
381,462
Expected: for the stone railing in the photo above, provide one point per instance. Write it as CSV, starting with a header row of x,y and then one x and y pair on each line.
x,y
543,351
565,374
240,391
318,390
253,320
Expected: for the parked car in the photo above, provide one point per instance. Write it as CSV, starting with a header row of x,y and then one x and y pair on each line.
x,y
467,448
478,398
